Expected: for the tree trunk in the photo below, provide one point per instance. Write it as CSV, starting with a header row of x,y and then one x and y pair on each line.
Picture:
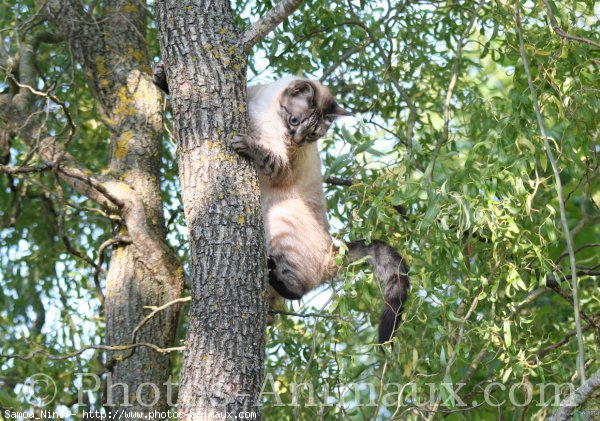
x,y
146,272
206,65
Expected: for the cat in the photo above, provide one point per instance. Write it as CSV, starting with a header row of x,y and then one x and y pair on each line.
x,y
287,117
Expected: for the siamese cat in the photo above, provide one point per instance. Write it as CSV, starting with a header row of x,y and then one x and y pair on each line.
x,y
287,117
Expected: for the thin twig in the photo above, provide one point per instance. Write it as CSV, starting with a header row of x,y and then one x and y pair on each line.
x,y
101,252
88,347
328,72
577,250
533,295
412,115
545,351
61,228
110,364
156,310
561,203
454,354
25,169
70,123
289,313
453,79
554,286
92,182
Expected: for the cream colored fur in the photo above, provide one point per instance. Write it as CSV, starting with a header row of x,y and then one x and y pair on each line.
x,y
294,211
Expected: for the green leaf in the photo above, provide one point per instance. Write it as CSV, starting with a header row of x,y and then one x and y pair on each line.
x,y
507,333
430,215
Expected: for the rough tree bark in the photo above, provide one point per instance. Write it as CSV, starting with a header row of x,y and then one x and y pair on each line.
x,y
205,57
113,53
577,398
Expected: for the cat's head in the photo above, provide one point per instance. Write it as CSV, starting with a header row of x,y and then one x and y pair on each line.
x,y
307,109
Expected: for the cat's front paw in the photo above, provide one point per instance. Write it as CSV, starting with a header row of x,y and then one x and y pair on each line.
x,y
241,143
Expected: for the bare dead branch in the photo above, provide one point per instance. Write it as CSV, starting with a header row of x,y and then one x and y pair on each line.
x,y
156,310
70,123
55,357
61,229
303,315
101,252
268,22
25,169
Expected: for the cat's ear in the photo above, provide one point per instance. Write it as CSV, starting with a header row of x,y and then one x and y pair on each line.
x,y
302,88
337,111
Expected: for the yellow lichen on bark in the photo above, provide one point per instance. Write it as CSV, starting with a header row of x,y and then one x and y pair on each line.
x,y
122,145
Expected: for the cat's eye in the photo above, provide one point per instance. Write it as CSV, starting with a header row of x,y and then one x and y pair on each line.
x,y
313,135
294,121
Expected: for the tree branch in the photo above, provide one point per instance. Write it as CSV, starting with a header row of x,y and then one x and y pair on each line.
x,y
90,186
454,78
545,351
328,72
578,398
412,116
101,253
85,37
561,202
566,253
304,315
268,22
25,169
156,310
336,181
86,348
560,32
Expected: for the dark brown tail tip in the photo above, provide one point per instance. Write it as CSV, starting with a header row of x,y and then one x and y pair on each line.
x,y
389,321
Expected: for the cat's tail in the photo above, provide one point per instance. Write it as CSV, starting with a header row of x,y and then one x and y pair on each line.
x,y
391,272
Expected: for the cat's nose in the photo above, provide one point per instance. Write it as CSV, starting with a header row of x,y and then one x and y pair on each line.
x,y
292,131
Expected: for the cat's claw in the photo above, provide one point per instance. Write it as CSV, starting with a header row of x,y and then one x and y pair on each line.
x,y
240,143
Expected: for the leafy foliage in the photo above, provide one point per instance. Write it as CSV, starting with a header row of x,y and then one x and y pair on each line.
x,y
446,163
